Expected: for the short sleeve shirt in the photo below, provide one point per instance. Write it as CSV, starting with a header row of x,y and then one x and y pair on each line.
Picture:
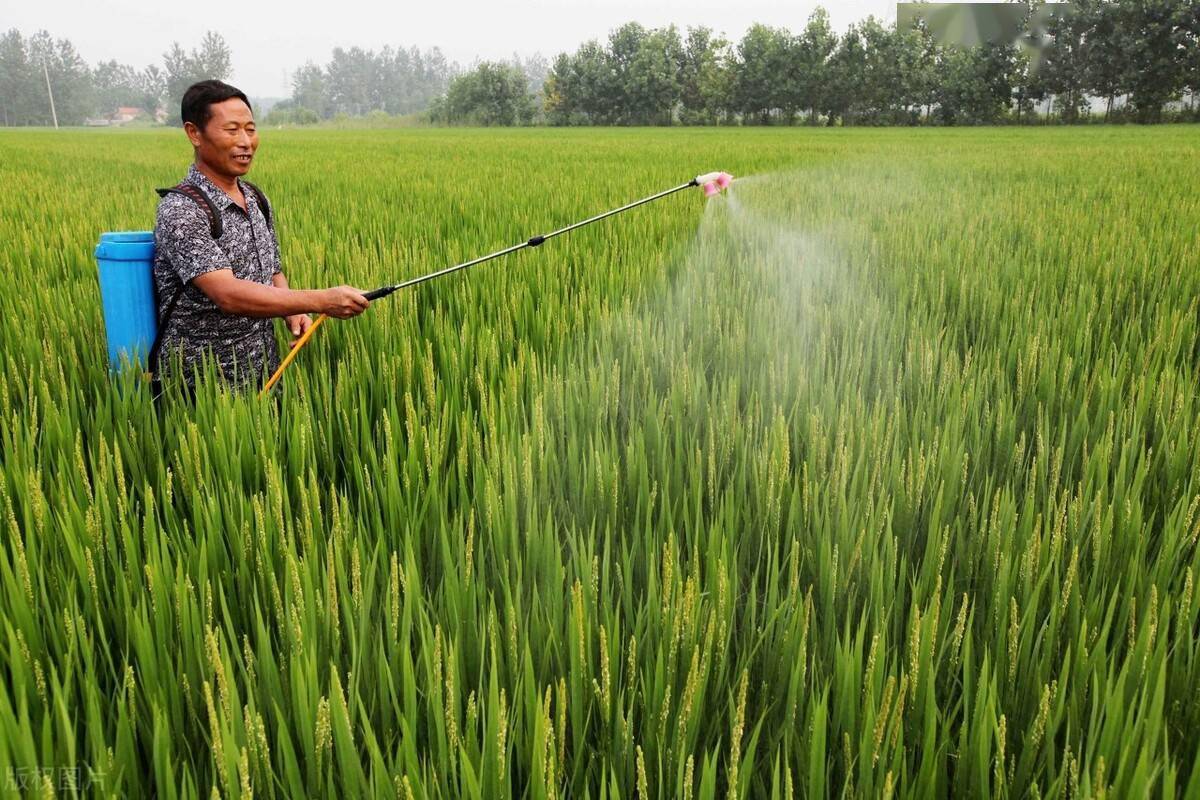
x,y
243,347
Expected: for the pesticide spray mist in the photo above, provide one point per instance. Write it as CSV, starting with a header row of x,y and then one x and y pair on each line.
x,y
712,371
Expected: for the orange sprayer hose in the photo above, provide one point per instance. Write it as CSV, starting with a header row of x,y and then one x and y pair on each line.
x,y
292,355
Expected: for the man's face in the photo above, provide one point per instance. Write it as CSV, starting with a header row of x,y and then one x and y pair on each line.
x,y
227,143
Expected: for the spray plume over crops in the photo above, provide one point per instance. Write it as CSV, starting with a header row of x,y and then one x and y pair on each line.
x,y
877,476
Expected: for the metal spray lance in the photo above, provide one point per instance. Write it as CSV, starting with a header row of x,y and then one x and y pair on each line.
x,y
712,183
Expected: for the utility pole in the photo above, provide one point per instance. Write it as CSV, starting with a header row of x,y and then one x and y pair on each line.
x,y
53,113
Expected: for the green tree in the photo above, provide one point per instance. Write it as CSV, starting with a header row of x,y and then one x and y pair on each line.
x,y
975,85
917,55
214,57
813,52
1064,66
309,90
624,45
1000,75
493,93
1028,87
1191,66
69,77
1157,53
152,89
582,88
17,80
114,84
349,76
652,80
560,93
1105,51
847,68
698,68
763,56
212,60
536,69
881,90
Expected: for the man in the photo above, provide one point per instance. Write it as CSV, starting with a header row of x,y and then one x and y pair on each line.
x,y
217,296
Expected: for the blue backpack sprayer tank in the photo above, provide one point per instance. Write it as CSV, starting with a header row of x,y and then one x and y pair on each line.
x,y
125,262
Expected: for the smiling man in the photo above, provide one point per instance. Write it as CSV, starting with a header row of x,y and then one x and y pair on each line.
x,y
217,268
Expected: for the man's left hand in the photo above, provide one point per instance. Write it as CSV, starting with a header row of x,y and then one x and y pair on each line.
x,y
298,324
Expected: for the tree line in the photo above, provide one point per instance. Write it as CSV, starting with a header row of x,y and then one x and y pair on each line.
x,y
356,82
37,68
1134,56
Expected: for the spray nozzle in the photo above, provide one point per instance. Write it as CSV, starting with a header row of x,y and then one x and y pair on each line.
x,y
714,182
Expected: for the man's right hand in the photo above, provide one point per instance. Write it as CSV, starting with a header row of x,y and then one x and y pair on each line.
x,y
343,302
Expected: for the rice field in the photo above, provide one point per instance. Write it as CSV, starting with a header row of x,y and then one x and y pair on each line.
x,y
877,477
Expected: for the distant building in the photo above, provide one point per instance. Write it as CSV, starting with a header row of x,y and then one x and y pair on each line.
x,y
126,114
123,115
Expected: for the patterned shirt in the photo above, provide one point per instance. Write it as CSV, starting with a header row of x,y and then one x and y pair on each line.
x,y
244,347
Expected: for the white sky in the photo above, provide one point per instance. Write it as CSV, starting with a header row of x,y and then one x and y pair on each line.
x,y
270,38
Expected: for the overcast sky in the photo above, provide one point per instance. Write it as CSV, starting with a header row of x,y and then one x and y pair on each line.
x,y
270,38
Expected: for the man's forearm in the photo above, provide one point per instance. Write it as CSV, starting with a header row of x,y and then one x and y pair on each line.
x,y
249,299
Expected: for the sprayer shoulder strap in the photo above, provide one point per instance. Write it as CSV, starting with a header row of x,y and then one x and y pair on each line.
x,y
201,199
266,206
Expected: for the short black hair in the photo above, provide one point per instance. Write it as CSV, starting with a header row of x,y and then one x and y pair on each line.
x,y
199,96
